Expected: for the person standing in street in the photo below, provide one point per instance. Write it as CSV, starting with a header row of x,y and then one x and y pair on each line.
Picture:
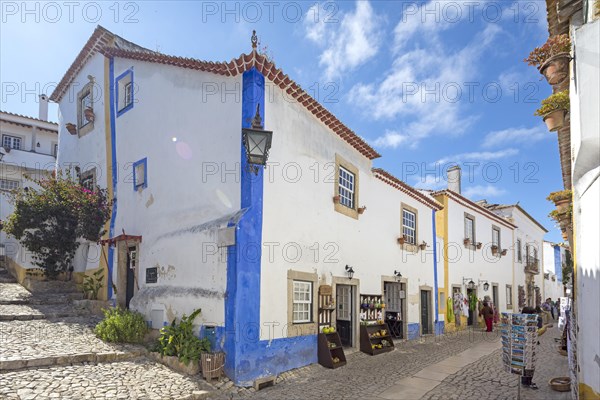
x,y
488,315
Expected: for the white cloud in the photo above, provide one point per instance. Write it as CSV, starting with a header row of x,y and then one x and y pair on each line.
x,y
478,156
391,139
482,192
512,136
423,62
351,42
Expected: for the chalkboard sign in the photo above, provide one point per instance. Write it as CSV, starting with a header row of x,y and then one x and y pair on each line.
x,y
152,275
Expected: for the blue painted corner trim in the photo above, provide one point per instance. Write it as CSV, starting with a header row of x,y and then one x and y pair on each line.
x,y
144,184
435,274
129,106
113,135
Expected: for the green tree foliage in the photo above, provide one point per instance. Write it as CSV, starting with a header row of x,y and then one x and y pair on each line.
x,y
49,220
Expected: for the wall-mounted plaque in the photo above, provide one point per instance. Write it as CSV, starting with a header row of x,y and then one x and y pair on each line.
x,y
152,275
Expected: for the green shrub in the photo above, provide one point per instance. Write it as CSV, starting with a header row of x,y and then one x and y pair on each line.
x,y
179,340
121,326
556,101
560,195
93,283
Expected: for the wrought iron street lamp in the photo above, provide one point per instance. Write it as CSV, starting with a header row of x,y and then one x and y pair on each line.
x,y
398,275
349,271
470,284
257,142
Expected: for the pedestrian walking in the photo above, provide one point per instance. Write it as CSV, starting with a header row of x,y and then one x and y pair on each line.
x,y
550,304
488,315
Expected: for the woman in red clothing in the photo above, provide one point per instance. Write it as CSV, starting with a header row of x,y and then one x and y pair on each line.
x,y
488,315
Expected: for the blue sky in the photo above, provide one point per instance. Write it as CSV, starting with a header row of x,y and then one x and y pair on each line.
x,y
426,83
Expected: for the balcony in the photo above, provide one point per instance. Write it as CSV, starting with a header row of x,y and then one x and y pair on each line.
x,y
532,266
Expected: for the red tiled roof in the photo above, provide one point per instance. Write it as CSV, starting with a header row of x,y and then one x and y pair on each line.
x,y
99,42
403,187
474,206
29,125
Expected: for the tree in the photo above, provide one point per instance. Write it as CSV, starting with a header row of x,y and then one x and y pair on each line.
x,y
49,220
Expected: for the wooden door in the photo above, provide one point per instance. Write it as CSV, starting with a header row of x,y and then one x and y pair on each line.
x,y
425,312
344,313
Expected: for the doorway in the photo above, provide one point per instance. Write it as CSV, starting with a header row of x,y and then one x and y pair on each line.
x,y
345,313
130,277
495,296
395,295
425,312
471,316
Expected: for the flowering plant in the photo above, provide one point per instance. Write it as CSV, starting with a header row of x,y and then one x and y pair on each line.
x,y
556,101
554,45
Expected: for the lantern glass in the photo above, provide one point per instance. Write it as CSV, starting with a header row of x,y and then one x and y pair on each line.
x,y
486,286
257,143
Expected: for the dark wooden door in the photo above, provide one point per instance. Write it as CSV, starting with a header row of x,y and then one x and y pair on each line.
x,y
344,314
131,262
471,316
425,312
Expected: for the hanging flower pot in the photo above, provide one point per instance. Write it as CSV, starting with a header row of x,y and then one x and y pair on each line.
x,y
561,199
71,128
89,115
555,120
554,46
336,199
494,249
556,68
401,240
361,209
467,242
554,109
478,245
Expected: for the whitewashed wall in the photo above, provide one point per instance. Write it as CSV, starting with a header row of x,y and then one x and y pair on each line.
x,y
299,214
478,264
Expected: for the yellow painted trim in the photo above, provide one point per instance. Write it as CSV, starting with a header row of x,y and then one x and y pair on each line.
x,y
103,295
587,393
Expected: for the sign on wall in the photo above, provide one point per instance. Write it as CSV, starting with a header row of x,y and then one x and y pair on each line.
x,y
152,275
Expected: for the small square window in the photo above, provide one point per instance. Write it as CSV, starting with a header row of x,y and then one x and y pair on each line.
x,y
140,171
346,188
409,226
8,184
88,179
85,108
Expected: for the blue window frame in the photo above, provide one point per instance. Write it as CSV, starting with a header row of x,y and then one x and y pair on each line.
x,y
140,174
125,93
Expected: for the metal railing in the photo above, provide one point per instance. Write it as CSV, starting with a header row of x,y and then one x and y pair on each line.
x,y
532,265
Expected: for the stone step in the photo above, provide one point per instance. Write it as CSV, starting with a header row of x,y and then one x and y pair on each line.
x,y
72,359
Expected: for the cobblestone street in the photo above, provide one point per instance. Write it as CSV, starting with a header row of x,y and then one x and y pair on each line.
x,y
48,350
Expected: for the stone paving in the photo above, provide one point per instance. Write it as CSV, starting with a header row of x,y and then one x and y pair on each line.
x,y
365,376
48,350
136,379
486,379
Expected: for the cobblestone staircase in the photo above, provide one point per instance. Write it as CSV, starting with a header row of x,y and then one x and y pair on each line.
x,y
48,350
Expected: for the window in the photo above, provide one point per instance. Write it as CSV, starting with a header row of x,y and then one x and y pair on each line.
x,y
302,311
346,188
519,251
409,226
85,103
508,296
140,170
470,229
124,84
496,237
88,179
8,184
11,142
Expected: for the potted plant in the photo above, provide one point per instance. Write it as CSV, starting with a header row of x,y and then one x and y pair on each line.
x,y
361,209
467,241
401,240
71,128
89,114
423,245
554,109
552,58
561,199
503,252
478,245
494,249
336,199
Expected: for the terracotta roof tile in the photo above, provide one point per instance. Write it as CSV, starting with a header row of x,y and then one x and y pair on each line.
x,y
391,180
233,68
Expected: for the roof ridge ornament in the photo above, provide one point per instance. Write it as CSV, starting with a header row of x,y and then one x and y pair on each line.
x,y
254,40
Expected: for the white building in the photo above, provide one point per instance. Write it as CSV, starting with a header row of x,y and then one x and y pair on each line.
x,y
554,258
193,226
528,256
477,252
28,148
